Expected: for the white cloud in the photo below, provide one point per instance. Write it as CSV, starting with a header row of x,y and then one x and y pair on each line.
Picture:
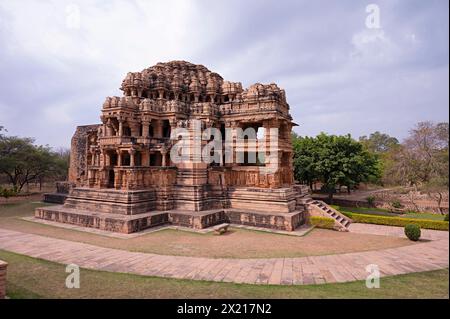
x,y
373,46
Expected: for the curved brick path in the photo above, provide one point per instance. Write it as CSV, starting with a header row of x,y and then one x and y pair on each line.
x,y
424,256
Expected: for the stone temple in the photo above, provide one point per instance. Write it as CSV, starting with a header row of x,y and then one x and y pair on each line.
x,y
122,176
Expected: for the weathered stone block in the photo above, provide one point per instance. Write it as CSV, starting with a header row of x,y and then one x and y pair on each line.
x,y
3,268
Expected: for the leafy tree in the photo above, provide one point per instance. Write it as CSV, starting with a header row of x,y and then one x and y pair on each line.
x,y
23,162
383,146
333,160
379,143
304,159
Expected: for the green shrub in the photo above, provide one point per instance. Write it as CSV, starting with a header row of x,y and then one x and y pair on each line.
x,y
396,204
370,200
412,231
322,222
348,214
446,218
6,193
397,221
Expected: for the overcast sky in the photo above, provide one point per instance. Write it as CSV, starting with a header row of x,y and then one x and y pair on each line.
x,y
60,59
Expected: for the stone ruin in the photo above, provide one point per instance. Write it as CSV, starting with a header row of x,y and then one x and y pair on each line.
x,y
125,180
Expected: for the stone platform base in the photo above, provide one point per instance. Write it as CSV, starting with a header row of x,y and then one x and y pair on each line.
x,y
105,221
55,198
197,220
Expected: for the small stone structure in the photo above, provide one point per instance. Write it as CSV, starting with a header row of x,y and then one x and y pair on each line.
x,y
3,266
62,191
126,181
221,228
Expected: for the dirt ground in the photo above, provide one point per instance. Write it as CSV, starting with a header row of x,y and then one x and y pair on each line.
x,y
237,243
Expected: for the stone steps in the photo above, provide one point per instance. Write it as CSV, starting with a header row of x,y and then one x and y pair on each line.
x,y
305,202
343,222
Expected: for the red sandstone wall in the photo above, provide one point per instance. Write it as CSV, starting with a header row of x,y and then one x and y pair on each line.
x,y
78,149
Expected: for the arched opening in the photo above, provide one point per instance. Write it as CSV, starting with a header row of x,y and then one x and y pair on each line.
x,y
126,130
111,178
166,129
150,130
112,159
125,159
114,127
155,159
138,159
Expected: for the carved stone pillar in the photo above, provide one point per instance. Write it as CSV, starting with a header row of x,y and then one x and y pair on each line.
x,y
132,155
120,127
145,128
98,154
157,130
119,158
266,126
163,155
102,159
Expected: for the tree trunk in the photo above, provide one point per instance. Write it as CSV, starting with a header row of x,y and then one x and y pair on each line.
x,y
439,204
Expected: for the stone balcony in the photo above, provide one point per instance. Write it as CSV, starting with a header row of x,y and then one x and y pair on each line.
x,y
130,140
254,106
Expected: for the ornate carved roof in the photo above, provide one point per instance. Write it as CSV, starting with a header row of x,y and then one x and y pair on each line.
x,y
177,76
177,85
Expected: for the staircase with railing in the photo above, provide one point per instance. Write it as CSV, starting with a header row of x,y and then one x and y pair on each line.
x,y
320,208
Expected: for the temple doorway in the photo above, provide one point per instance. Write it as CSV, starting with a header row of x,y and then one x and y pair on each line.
x,y
111,178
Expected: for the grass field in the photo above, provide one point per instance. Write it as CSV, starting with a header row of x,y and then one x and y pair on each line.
x,y
384,212
34,278
238,243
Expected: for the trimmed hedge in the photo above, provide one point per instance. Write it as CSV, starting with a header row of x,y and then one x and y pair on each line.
x,y
322,222
397,221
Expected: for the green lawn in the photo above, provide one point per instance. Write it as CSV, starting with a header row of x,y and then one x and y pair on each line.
x,y
428,216
384,212
34,278
20,209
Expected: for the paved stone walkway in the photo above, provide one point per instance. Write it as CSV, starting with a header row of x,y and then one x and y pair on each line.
x,y
424,256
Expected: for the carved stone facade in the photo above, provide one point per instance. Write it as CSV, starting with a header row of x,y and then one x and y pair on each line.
x,y
123,165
